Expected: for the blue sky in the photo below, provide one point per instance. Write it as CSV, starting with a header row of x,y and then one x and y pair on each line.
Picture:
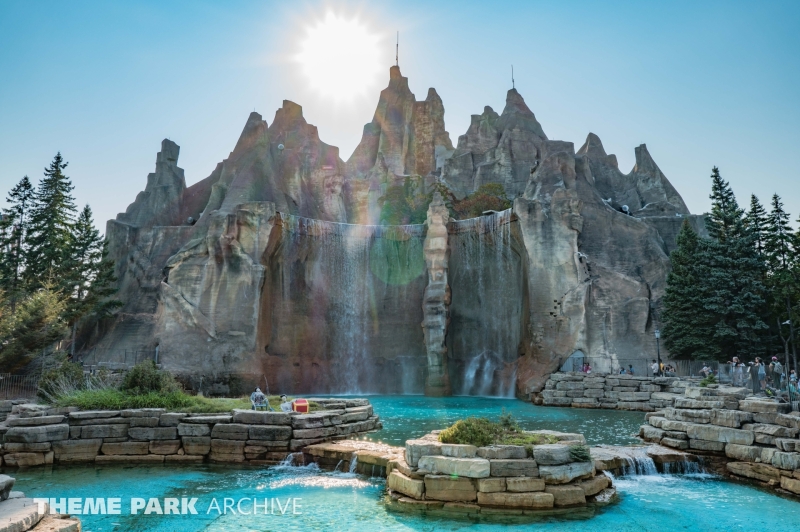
x,y
701,83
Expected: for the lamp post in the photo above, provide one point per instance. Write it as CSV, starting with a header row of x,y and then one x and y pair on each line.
x,y
658,350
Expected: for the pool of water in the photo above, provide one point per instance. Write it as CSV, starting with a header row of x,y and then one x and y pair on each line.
x,y
411,416
343,501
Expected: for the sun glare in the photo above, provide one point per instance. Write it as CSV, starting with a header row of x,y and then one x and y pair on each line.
x,y
339,57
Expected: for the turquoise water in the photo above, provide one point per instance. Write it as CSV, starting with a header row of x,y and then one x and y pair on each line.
x,y
405,417
348,502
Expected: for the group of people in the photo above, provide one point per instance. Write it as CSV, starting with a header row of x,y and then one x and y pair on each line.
x,y
762,377
663,370
259,401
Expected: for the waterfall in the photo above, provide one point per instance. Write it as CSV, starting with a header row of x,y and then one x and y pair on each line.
x,y
336,291
353,463
683,468
639,463
486,278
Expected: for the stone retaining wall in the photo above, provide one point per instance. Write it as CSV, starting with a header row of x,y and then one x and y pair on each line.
x,y
499,477
36,434
758,436
621,392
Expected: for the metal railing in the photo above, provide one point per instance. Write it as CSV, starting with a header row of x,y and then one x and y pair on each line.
x,y
18,386
115,358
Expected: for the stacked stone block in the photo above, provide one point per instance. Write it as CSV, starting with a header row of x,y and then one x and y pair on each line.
x,y
622,392
495,478
758,435
37,435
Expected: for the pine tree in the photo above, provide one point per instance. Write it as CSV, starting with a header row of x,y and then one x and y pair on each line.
x,y
36,324
13,229
725,219
732,285
756,222
89,278
687,326
50,226
782,281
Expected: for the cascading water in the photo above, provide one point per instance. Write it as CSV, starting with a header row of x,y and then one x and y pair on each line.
x,y
345,293
486,278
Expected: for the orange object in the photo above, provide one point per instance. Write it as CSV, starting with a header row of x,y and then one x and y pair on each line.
x,y
300,405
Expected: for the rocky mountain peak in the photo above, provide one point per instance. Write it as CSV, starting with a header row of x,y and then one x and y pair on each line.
x,y
517,114
593,147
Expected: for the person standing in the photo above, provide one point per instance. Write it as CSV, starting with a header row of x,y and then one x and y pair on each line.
x,y
777,373
753,373
654,367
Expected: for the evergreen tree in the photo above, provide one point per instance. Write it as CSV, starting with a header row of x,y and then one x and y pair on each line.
x,y
725,219
50,226
35,325
13,229
756,222
687,326
782,280
89,278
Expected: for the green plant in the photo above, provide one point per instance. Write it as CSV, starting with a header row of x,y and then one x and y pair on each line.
x,y
580,453
508,422
56,379
477,431
711,379
145,377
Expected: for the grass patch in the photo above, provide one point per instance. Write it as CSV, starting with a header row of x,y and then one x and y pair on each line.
x,y
177,401
480,432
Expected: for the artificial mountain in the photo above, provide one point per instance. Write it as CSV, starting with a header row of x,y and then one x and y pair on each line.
x,y
274,266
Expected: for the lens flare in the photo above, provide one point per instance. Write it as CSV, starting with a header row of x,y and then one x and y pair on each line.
x,y
339,57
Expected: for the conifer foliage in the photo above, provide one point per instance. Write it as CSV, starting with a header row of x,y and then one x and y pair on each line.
x,y
55,274
726,293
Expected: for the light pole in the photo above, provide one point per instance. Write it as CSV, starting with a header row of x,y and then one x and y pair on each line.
x,y
658,350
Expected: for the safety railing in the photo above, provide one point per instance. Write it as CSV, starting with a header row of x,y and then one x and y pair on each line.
x,y
18,386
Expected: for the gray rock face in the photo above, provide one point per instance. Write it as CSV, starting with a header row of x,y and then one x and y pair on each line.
x,y
267,280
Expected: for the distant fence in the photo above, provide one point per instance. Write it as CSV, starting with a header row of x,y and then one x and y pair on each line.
x,y
18,386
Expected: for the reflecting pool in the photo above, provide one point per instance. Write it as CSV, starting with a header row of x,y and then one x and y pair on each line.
x,y
327,500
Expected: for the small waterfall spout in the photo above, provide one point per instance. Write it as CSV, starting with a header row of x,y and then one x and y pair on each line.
x,y
353,463
638,462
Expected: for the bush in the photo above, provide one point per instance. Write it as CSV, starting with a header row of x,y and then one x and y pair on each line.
x,y
580,453
66,375
145,378
488,197
477,431
711,379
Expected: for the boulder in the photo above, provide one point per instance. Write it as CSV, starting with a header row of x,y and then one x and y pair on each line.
x,y
193,429
783,460
153,433
791,484
322,432
227,450
463,467
269,432
125,448
594,485
788,445
676,443
514,468
208,420
650,433
563,474
703,445
164,446
143,421
459,451
416,449
524,484
755,406
143,412
14,421
402,484
503,452
692,416
171,419
491,485
719,434
730,418
230,431
567,495
67,451
791,420
105,431
92,414
256,417
449,488
775,431
552,454
762,472
129,459
196,444
27,459
6,483
43,433
536,500
744,453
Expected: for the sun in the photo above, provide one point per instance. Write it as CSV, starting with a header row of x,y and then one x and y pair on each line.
x,y
339,57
